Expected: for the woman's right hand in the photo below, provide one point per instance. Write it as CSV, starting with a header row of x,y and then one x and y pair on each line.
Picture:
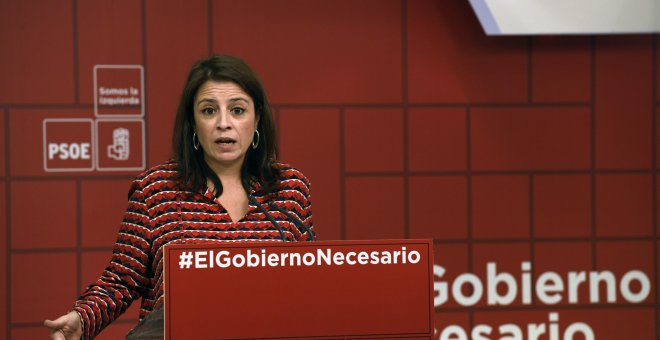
x,y
66,327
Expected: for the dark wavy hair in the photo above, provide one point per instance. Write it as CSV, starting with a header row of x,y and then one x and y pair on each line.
x,y
258,163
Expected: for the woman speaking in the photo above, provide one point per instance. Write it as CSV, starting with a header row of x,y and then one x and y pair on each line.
x,y
223,184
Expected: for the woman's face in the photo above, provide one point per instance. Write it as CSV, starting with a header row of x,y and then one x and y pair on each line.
x,y
225,122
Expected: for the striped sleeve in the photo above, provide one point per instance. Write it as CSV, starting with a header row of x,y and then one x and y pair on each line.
x,y
307,212
126,278
296,181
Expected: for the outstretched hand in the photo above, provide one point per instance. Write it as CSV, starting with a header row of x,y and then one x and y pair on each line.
x,y
66,327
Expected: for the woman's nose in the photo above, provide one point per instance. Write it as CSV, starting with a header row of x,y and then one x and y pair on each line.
x,y
223,120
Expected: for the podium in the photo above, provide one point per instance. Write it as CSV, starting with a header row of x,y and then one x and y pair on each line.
x,y
301,290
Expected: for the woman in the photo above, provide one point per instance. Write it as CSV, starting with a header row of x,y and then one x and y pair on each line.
x,y
223,185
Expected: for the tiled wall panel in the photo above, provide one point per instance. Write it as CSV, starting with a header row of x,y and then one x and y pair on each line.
x,y
437,139
43,214
3,134
321,51
3,258
102,210
374,207
562,205
561,69
37,52
623,101
28,303
306,132
657,138
450,60
177,35
624,205
109,32
518,138
438,207
374,140
408,120
500,206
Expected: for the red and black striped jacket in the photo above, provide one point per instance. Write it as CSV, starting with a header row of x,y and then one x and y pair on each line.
x,y
160,212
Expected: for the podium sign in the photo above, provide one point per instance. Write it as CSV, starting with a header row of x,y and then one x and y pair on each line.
x,y
332,290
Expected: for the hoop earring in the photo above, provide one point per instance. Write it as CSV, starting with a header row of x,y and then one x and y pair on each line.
x,y
255,144
195,141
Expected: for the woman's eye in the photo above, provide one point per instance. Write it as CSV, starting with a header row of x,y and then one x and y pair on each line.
x,y
237,110
208,110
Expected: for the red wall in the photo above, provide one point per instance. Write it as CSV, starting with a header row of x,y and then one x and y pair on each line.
x,y
406,118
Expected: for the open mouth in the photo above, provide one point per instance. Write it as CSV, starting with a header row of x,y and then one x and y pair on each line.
x,y
225,141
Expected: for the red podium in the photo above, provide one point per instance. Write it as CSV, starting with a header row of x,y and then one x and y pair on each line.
x,y
311,290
